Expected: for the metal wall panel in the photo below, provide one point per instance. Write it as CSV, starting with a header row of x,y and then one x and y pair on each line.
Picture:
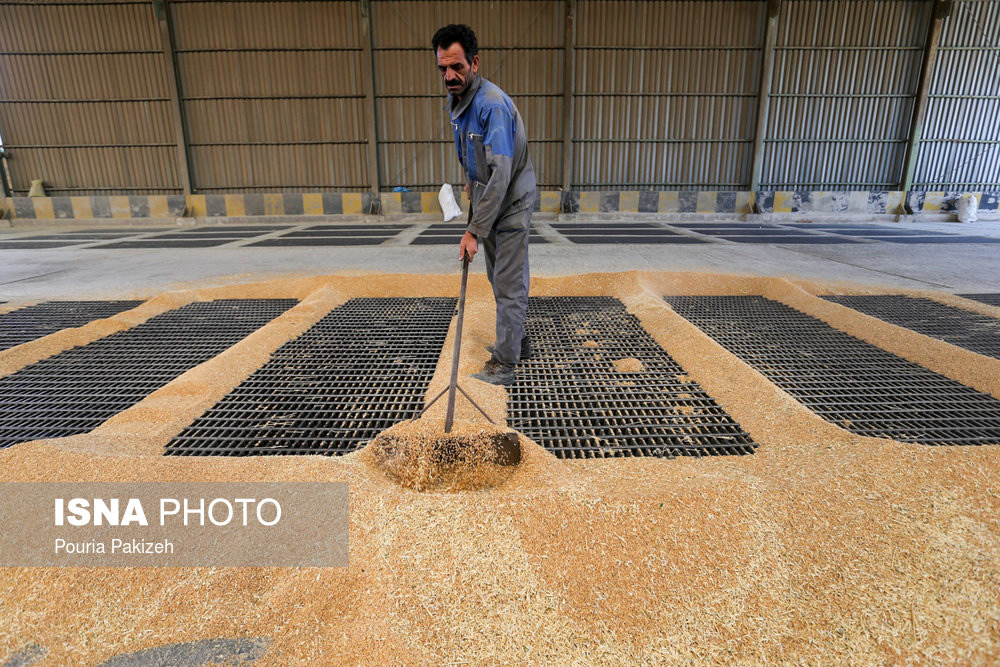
x,y
845,79
273,102
961,136
84,98
520,49
666,94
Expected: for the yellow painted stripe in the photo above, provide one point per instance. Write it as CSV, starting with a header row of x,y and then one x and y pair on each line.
x,y
274,204
628,201
120,207
429,202
590,202
551,201
81,207
392,203
352,203
783,201
158,206
743,200
312,203
894,200
235,205
668,202
706,201
43,208
933,201
197,206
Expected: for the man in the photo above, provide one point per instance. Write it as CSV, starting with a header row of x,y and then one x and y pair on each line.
x,y
500,182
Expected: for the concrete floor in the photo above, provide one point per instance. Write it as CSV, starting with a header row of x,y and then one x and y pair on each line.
x,y
31,275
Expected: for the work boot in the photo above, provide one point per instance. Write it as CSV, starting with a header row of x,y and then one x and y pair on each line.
x,y
495,372
525,348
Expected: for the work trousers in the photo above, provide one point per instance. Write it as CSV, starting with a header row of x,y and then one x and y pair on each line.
x,y
506,252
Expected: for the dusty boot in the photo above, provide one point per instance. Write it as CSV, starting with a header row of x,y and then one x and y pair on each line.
x,y
525,348
495,372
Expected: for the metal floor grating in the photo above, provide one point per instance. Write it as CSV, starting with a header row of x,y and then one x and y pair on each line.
x,y
988,299
570,399
362,368
79,389
32,322
855,385
963,328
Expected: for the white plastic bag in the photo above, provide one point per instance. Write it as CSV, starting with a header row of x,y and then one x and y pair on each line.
x,y
967,205
446,197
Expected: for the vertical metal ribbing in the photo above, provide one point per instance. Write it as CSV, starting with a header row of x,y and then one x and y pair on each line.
x,y
942,9
368,68
569,97
763,100
162,12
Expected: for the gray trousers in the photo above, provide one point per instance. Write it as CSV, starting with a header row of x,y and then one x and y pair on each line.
x,y
506,252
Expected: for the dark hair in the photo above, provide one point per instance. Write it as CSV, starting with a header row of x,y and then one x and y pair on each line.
x,y
456,32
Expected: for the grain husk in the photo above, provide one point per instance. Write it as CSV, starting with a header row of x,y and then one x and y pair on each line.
x,y
823,547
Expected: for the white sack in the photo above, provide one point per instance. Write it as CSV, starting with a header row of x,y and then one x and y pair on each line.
x,y
967,205
446,197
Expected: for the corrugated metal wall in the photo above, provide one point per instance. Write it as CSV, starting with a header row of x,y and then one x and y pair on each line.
x,y
961,138
273,95
416,146
666,94
845,78
83,98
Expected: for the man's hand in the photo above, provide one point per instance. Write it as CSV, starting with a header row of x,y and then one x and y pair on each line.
x,y
468,247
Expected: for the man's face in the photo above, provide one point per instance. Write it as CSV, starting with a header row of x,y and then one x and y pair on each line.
x,y
456,71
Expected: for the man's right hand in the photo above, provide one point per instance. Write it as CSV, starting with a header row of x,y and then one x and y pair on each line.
x,y
468,247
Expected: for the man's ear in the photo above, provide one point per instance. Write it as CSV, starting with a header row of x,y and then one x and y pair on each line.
x,y
475,63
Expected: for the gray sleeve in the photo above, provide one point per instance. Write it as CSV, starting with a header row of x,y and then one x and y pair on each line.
x,y
492,194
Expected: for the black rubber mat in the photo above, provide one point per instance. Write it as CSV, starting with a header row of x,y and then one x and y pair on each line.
x,y
320,241
802,239
882,233
77,390
752,231
331,233
570,398
594,240
988,299
453,239
959,327
32,322
36,245
165,243
631,233
362,368
228,236
938,239
393,229
855,385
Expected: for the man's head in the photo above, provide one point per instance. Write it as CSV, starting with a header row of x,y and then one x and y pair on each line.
x,y
457,57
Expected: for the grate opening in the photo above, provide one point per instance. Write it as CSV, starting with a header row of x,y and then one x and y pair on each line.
x,y
33,322
571,399
362,368
79,389
855,385
988,299
962,328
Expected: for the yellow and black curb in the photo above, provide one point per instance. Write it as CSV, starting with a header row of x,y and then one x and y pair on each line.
x,y
549,201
